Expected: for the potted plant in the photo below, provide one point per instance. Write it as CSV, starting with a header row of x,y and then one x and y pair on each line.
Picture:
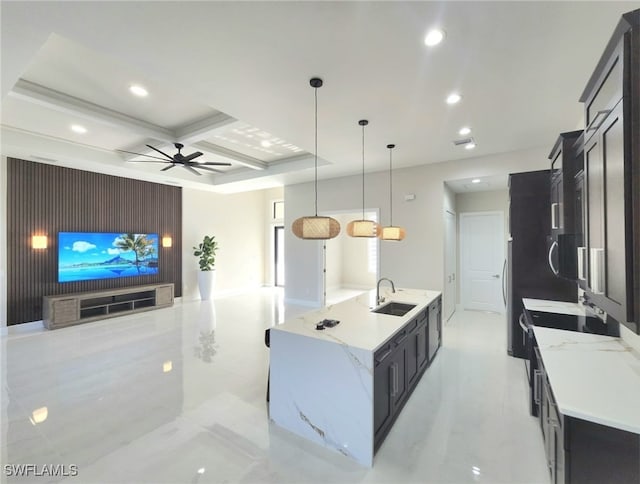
x,y
206,251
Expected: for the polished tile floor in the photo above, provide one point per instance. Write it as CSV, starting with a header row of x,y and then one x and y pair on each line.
x,y
178,396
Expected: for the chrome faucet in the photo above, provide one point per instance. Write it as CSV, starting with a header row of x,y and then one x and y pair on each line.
x,y
381,299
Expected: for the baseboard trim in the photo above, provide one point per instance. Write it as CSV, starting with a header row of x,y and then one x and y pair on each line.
x,y
23,328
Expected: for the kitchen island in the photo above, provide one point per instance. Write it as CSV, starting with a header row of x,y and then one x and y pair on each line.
x,y
342,387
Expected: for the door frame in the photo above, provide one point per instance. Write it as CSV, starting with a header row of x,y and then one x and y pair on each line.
x,y
461,244
454,263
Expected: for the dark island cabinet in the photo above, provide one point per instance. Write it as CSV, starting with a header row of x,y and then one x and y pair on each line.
x,y
400,363
610,253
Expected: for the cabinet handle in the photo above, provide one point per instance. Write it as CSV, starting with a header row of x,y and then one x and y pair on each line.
x,y
554,216
387,353
395,380
537,376
404,336
596,270
393,374
504,283
582,253
551,249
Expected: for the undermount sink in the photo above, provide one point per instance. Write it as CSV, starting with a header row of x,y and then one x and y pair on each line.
x,y
394,308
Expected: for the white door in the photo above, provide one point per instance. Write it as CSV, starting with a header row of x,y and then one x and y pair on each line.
x,y
449,264
481,258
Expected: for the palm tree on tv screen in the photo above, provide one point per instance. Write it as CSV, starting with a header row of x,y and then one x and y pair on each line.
x,y
139,244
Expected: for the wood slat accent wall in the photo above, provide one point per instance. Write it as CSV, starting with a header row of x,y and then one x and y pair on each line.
x,y
46,199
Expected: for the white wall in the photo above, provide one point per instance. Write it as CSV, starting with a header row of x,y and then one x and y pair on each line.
x,y
489,201
418,260
237,221
355,258
335,257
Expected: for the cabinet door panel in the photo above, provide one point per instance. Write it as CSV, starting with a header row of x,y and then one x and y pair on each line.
x,y
398,377
595,206
613,161
423,345
412,357
382,396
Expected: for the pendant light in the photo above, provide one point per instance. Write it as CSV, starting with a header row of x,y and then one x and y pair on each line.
x,y
363,228
391,232
315,227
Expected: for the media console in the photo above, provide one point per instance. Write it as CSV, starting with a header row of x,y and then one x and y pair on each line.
x,y
70,309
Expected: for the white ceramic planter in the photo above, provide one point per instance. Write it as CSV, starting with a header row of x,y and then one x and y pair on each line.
x,y
206,283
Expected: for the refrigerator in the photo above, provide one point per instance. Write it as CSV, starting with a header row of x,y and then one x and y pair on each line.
x,y
529,273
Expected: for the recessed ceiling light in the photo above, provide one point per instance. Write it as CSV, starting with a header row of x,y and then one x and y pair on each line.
x,y
476,180
433,37
453,98
265,143
464,131
470,146
138,90
76,128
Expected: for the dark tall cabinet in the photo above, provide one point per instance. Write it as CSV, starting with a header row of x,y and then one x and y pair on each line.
x,y
530,274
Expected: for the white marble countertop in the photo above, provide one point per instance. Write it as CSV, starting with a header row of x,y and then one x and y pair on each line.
x,y
593,377
558,307
359,327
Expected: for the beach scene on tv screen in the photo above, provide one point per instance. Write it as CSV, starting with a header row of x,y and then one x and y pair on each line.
x,y
84,256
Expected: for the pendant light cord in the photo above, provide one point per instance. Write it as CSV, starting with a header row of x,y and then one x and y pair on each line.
x,y
363,125
390,192
316,148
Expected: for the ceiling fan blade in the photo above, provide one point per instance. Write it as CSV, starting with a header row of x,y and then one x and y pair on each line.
x,y
161,152
214,163
172,165
200,167
192,170
192,156
141,154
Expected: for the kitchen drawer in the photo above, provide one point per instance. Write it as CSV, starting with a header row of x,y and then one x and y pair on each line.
x,y
383,353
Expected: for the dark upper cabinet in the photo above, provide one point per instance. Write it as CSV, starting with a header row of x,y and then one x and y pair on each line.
x,y
609,256
565,162
564,166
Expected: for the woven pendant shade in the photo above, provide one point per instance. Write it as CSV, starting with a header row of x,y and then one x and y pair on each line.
x,y
391,232
315,228
363,228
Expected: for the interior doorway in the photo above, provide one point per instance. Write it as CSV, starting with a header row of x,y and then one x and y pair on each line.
x,y
278,262
481,260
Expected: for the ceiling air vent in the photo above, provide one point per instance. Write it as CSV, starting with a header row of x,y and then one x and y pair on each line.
x,y
462,141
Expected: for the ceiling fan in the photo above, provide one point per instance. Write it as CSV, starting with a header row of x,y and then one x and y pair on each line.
x,y
179,159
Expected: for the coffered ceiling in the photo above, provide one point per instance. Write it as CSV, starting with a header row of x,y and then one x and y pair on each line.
x,y
231,79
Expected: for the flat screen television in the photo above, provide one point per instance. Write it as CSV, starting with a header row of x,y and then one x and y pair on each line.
x,y
84,256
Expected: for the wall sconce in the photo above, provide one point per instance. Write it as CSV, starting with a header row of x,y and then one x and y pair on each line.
x,y
38,241
167,242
